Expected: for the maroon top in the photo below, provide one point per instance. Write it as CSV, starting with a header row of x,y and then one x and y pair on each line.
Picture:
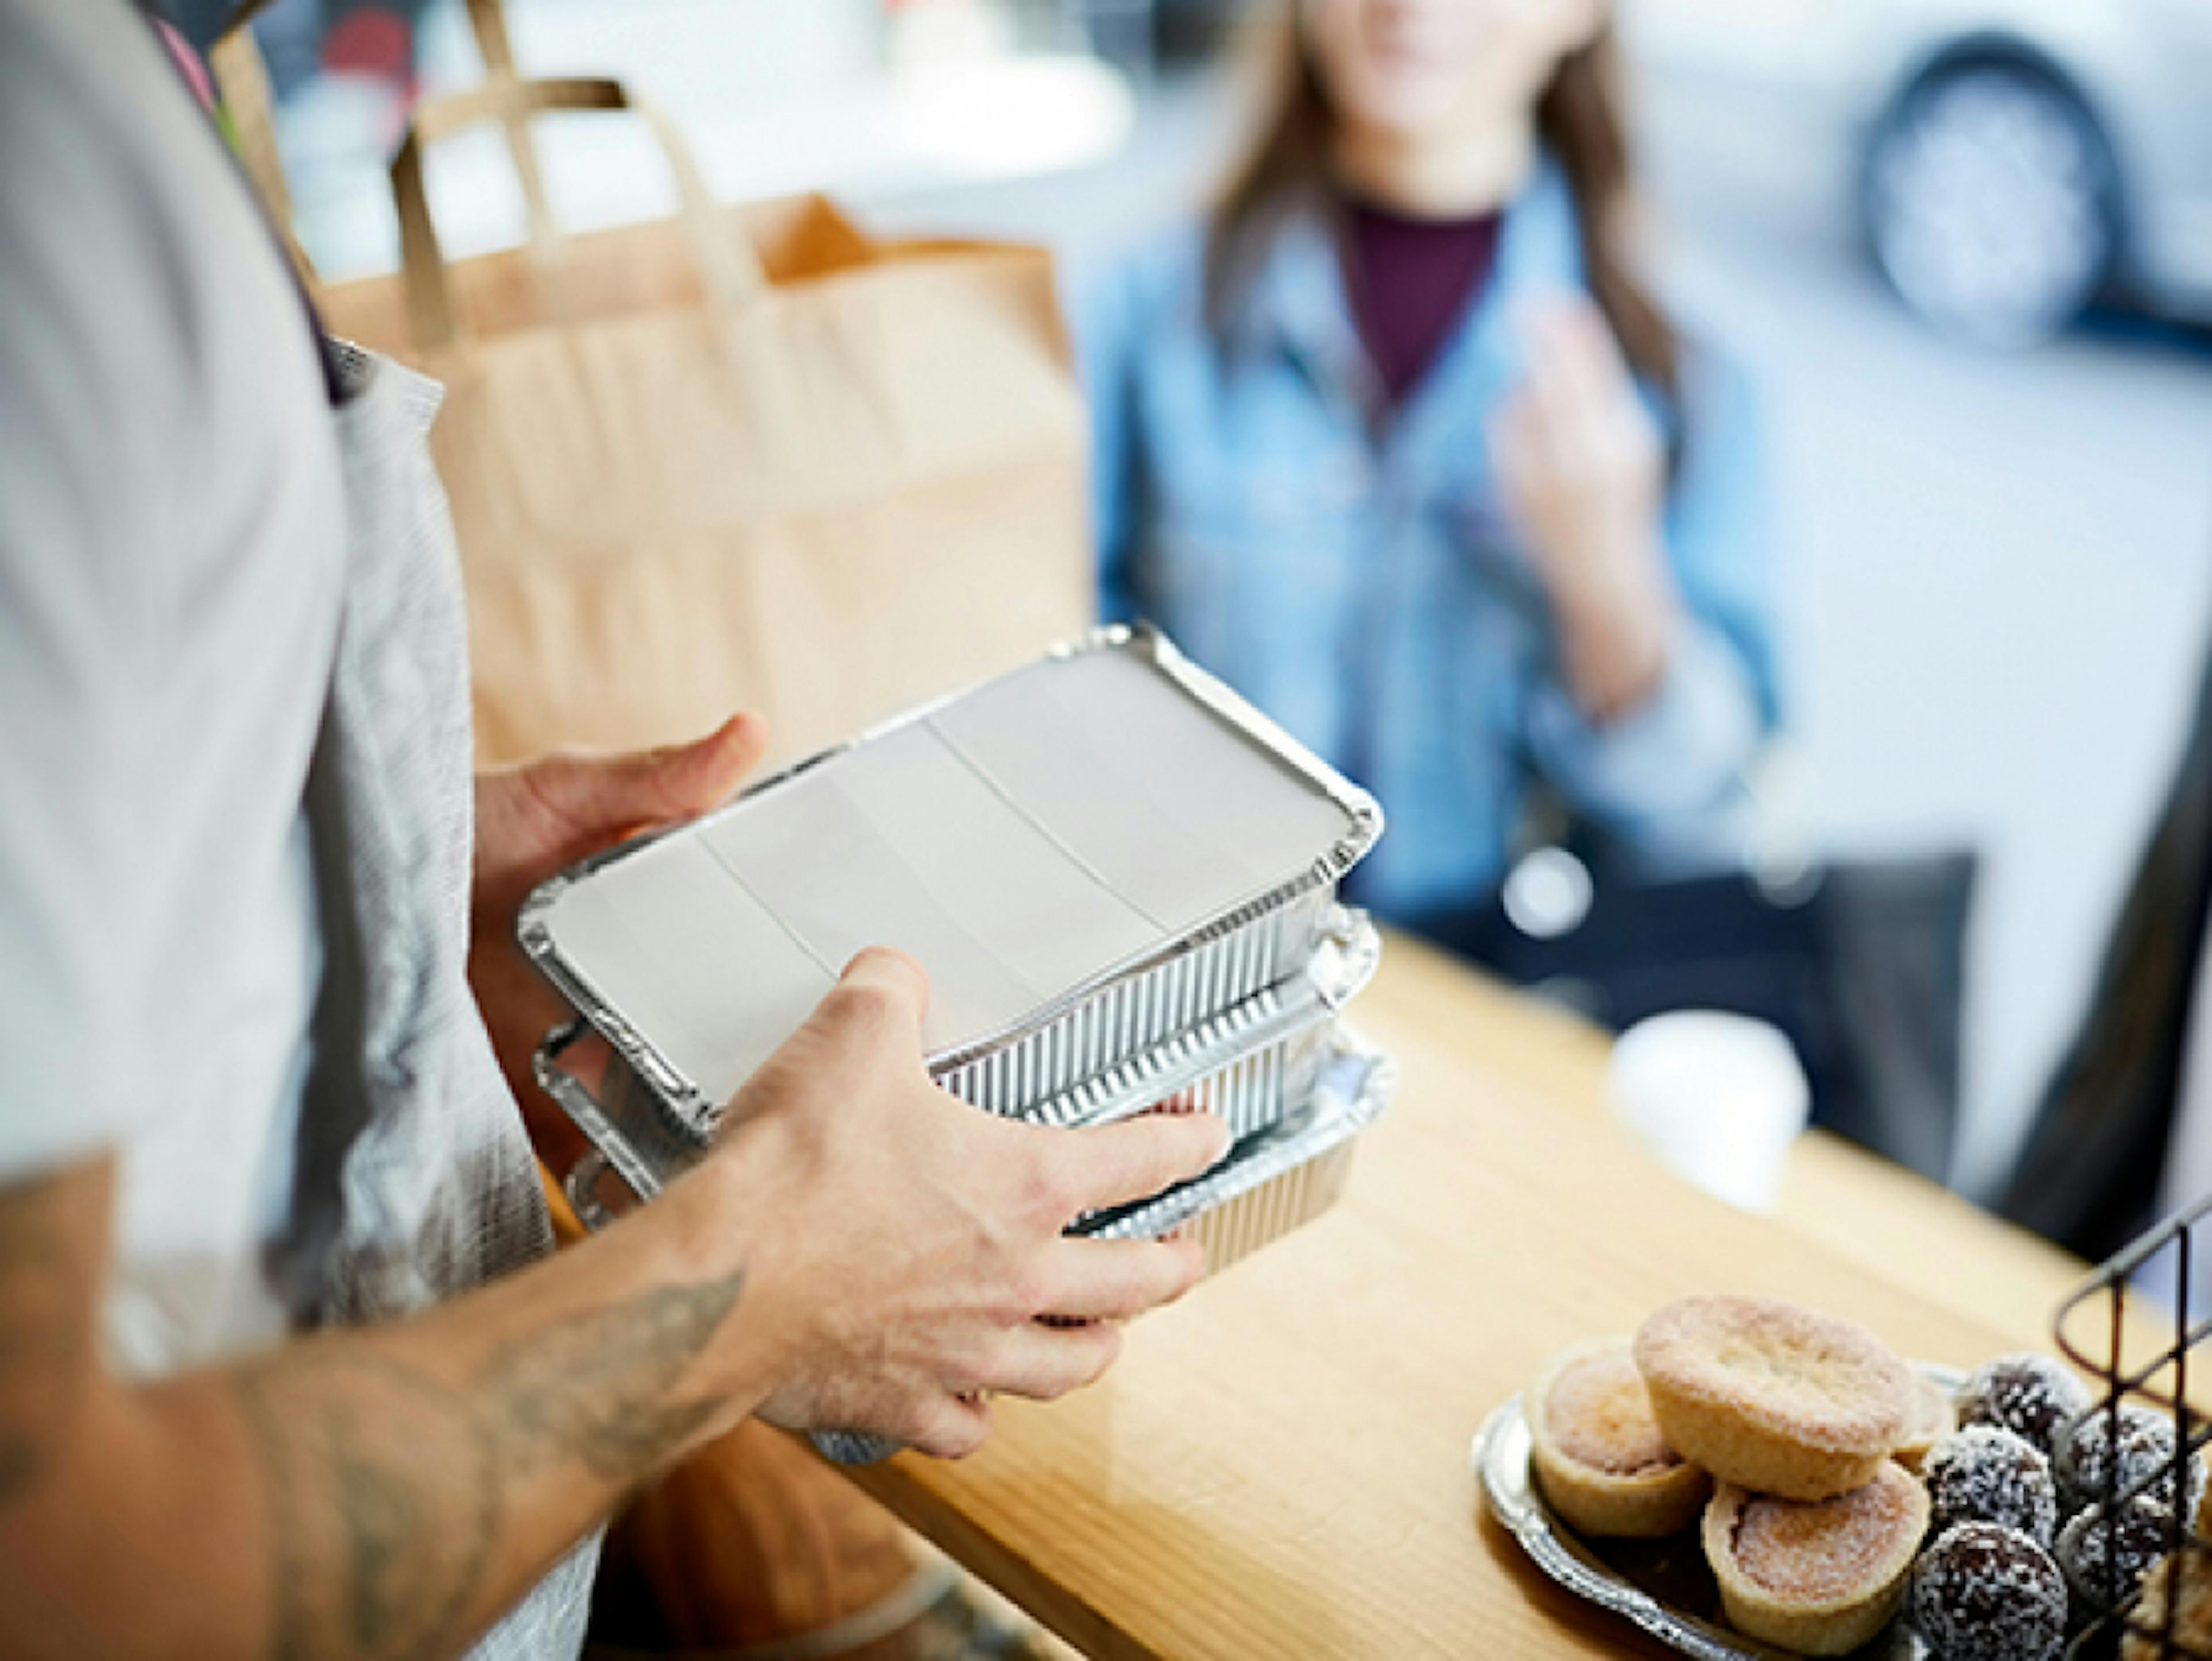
x,y
1410,281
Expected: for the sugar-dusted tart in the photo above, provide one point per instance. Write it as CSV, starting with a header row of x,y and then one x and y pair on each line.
x,y
1600,1458
1772,1397
1821,1577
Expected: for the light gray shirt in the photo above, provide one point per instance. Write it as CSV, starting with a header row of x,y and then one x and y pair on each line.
x,y
171,549
234,848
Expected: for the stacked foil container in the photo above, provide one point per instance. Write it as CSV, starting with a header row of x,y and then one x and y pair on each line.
x,y
1236,1013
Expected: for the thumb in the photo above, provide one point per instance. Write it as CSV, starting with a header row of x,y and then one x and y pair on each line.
x,y
702,775
874,1012
890,980
605,796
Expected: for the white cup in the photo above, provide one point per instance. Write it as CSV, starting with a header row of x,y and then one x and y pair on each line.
x,y
1719,1098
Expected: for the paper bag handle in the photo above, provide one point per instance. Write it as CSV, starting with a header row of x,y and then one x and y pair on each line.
x,y
241,80
729,266
487,22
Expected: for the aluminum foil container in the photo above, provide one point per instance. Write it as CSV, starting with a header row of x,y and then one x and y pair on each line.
x,y
1272,1183
1091,856
1249,1064
1155,1005
1280,1177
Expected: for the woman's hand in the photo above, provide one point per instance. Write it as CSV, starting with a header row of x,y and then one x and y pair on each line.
x,y
1583,472
908,1247
535,821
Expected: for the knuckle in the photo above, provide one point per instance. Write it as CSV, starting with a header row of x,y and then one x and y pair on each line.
x,y
1028,1294
1048,1196
1177,1149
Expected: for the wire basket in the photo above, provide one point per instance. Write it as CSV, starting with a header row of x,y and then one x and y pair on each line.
x,y
2128,1328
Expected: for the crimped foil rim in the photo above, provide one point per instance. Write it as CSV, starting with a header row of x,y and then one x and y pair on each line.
x,y
1141,640
1267,1019
1356,1083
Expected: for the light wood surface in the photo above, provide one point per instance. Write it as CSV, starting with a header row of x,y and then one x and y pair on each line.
x,y
1280,1465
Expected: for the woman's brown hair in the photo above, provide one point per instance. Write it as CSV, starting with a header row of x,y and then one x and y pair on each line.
x,y
1578,121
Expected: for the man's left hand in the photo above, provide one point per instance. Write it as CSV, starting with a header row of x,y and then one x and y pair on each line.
x,y
535,821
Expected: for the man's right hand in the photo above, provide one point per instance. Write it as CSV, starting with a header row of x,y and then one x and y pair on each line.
x,y
908,1247
860,1253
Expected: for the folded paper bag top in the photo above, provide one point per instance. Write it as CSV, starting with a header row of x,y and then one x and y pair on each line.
x,y
1028,840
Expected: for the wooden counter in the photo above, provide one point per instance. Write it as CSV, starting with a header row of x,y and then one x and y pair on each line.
x,y
1279,1467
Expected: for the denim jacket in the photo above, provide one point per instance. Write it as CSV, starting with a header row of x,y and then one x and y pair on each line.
x,y
1359,582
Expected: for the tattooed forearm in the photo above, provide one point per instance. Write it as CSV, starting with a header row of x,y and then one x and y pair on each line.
x,y
46,1323
385,1498
390,1489
598,1389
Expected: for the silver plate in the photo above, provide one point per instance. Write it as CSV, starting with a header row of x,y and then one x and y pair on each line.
x,y
1139,1003
1646,1582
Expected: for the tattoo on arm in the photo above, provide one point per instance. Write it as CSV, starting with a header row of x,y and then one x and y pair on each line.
x,y
384,1498
389,1489
597,1389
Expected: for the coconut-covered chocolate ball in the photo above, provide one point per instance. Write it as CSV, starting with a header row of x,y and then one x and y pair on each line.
x,y
1985,1593
2104,1560
2030,1395
1986,1474
2088,1471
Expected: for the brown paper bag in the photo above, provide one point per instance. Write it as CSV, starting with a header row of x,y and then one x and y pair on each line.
x,y
743,459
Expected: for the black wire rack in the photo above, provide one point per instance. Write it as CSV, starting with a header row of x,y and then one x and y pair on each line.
x,y
2128,1328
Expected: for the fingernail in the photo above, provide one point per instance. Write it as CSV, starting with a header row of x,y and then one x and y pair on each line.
x,y
1221,1141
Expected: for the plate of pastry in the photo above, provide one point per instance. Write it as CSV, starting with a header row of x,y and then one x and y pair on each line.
x,y
1748,1480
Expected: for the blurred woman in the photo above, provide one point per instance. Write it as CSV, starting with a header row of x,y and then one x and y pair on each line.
x,y
1399,443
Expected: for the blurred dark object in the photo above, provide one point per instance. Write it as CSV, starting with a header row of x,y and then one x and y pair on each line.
x,y
1141,35
1190,30
754,1545
2146,1598
2025,163
2091,1175
1863,964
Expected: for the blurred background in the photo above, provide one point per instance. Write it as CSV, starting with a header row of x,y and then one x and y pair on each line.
x,y
1964,246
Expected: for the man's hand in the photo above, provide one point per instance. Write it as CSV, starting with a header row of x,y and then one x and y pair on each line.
x,y
902,1248
859,1252
535,821
915,1255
